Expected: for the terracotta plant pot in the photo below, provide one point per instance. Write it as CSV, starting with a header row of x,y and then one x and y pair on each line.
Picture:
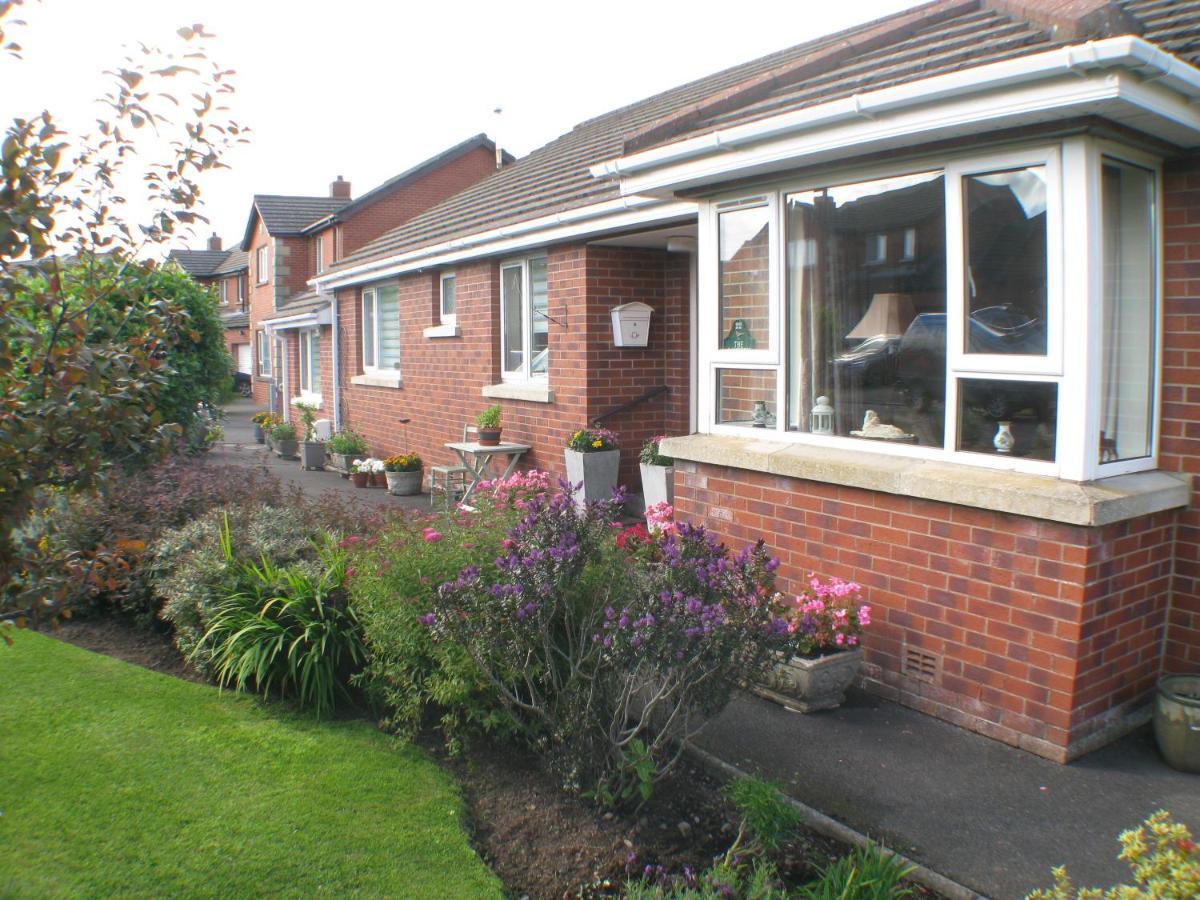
x,y
404,484
379,479
807,685
360,479
489,437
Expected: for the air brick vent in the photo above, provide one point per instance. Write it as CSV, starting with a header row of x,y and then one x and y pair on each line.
x,y
921,664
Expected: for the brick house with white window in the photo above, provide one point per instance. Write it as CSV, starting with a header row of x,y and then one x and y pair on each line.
x,y
225,272
976,220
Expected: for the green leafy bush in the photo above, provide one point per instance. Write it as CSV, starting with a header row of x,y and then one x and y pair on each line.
x,y
287,630
396,574
1164,859
865,873
348,443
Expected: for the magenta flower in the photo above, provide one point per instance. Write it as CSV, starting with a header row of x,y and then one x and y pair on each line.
x,y
432,535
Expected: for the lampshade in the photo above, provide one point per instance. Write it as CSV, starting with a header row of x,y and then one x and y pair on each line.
x,y
889,315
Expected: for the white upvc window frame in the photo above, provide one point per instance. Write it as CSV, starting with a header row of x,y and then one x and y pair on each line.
x,y
241,289
369,349
309,342
224,291
1074,291
444,317
262,265
262,349
525,373
320,254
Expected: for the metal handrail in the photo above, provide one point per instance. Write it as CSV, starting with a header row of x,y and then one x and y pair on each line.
x,y
630,404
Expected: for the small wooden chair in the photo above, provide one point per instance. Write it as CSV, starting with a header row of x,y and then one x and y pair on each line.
x,y
451,480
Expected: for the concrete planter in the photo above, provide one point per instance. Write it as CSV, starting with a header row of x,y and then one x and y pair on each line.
x,y
259,436
596,471
1177,721
807,685
312,454
404,484
658,484
286,449
342,462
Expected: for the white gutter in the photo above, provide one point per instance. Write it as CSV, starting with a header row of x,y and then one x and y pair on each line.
x,y
611,215
322,316
1120,52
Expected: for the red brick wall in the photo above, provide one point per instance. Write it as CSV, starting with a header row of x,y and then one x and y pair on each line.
x,y
1042,634
400,205
1180,444
260,304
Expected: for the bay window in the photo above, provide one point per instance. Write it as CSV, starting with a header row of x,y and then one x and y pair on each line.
x,y
381,328
524,324
310,363
943,310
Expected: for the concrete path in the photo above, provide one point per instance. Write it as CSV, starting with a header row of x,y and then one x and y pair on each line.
x,y
990,817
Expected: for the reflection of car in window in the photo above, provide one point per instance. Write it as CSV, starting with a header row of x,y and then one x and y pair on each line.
x,y
921,355
871,362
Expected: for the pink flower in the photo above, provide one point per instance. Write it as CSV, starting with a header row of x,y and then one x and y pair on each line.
x,y
864,615
432,535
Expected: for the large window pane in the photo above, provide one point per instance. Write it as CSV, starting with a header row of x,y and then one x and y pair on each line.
x,y
1128,316
866,309
512,350
368,335
1006,286
314,361
539,300
744,300
388,324
746,397
1008,418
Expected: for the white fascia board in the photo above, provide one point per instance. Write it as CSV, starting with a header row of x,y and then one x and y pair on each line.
x,y
954,88
322,316
584,222
1120,97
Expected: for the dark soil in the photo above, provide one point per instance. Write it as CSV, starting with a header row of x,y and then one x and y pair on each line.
x,y
540,840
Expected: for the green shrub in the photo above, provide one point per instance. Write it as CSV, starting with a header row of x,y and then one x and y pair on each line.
x,y
188,569
865,873
287,630
396,574
767,818
1162,856
348,443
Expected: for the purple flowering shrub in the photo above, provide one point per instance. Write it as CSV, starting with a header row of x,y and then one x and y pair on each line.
x,y
609,656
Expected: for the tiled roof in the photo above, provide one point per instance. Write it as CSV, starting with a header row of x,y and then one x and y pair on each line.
x,y
289,215
236,320
309,301
236,260
198,263
931,39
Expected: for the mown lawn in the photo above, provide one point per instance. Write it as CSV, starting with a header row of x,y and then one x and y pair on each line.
x,y
117,781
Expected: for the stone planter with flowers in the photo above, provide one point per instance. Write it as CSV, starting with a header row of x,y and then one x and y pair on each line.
x,y
593,460
343,448
825,622
658,474
403,473
283,437
261,422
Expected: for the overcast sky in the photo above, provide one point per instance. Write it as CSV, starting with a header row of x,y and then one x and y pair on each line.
x,y
368,89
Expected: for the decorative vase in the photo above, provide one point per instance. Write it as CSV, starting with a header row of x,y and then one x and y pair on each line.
x,y
404,484
807,685
1004,440
489,437
1177,721
658,484
378,479
360,479
312,454
593,476
285,448
259,436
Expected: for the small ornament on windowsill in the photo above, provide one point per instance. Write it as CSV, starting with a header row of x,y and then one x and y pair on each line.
x,y
876,430
822,417
761,417
1004,442
739,337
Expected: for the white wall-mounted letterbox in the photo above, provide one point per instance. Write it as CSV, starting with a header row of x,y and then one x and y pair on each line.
x,y
631,324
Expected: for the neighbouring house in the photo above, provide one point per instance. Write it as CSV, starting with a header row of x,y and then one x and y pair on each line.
x,y
926,315
226,272
293,239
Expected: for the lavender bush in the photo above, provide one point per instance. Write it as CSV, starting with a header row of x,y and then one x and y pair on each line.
x,y
610,653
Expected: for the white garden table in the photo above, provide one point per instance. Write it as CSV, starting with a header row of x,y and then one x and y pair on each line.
x,y
476,457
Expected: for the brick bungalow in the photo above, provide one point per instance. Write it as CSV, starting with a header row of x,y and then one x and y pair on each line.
x,y
978,220
225,271
294,239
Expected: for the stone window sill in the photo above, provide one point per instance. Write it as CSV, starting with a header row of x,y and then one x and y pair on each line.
x,y
533,391
443,331
378,379
1090,503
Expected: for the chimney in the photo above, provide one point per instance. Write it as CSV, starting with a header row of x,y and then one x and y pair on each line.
x,y
340,189
214,242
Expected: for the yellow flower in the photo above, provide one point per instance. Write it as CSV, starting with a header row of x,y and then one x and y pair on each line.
x,y
597,443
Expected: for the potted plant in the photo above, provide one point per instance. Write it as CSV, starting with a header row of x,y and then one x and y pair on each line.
x,y
360,472
658,474
488,423
372,468
1177,721
592,463
312,451
825,622
261,422
343,448
403,473
283,435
